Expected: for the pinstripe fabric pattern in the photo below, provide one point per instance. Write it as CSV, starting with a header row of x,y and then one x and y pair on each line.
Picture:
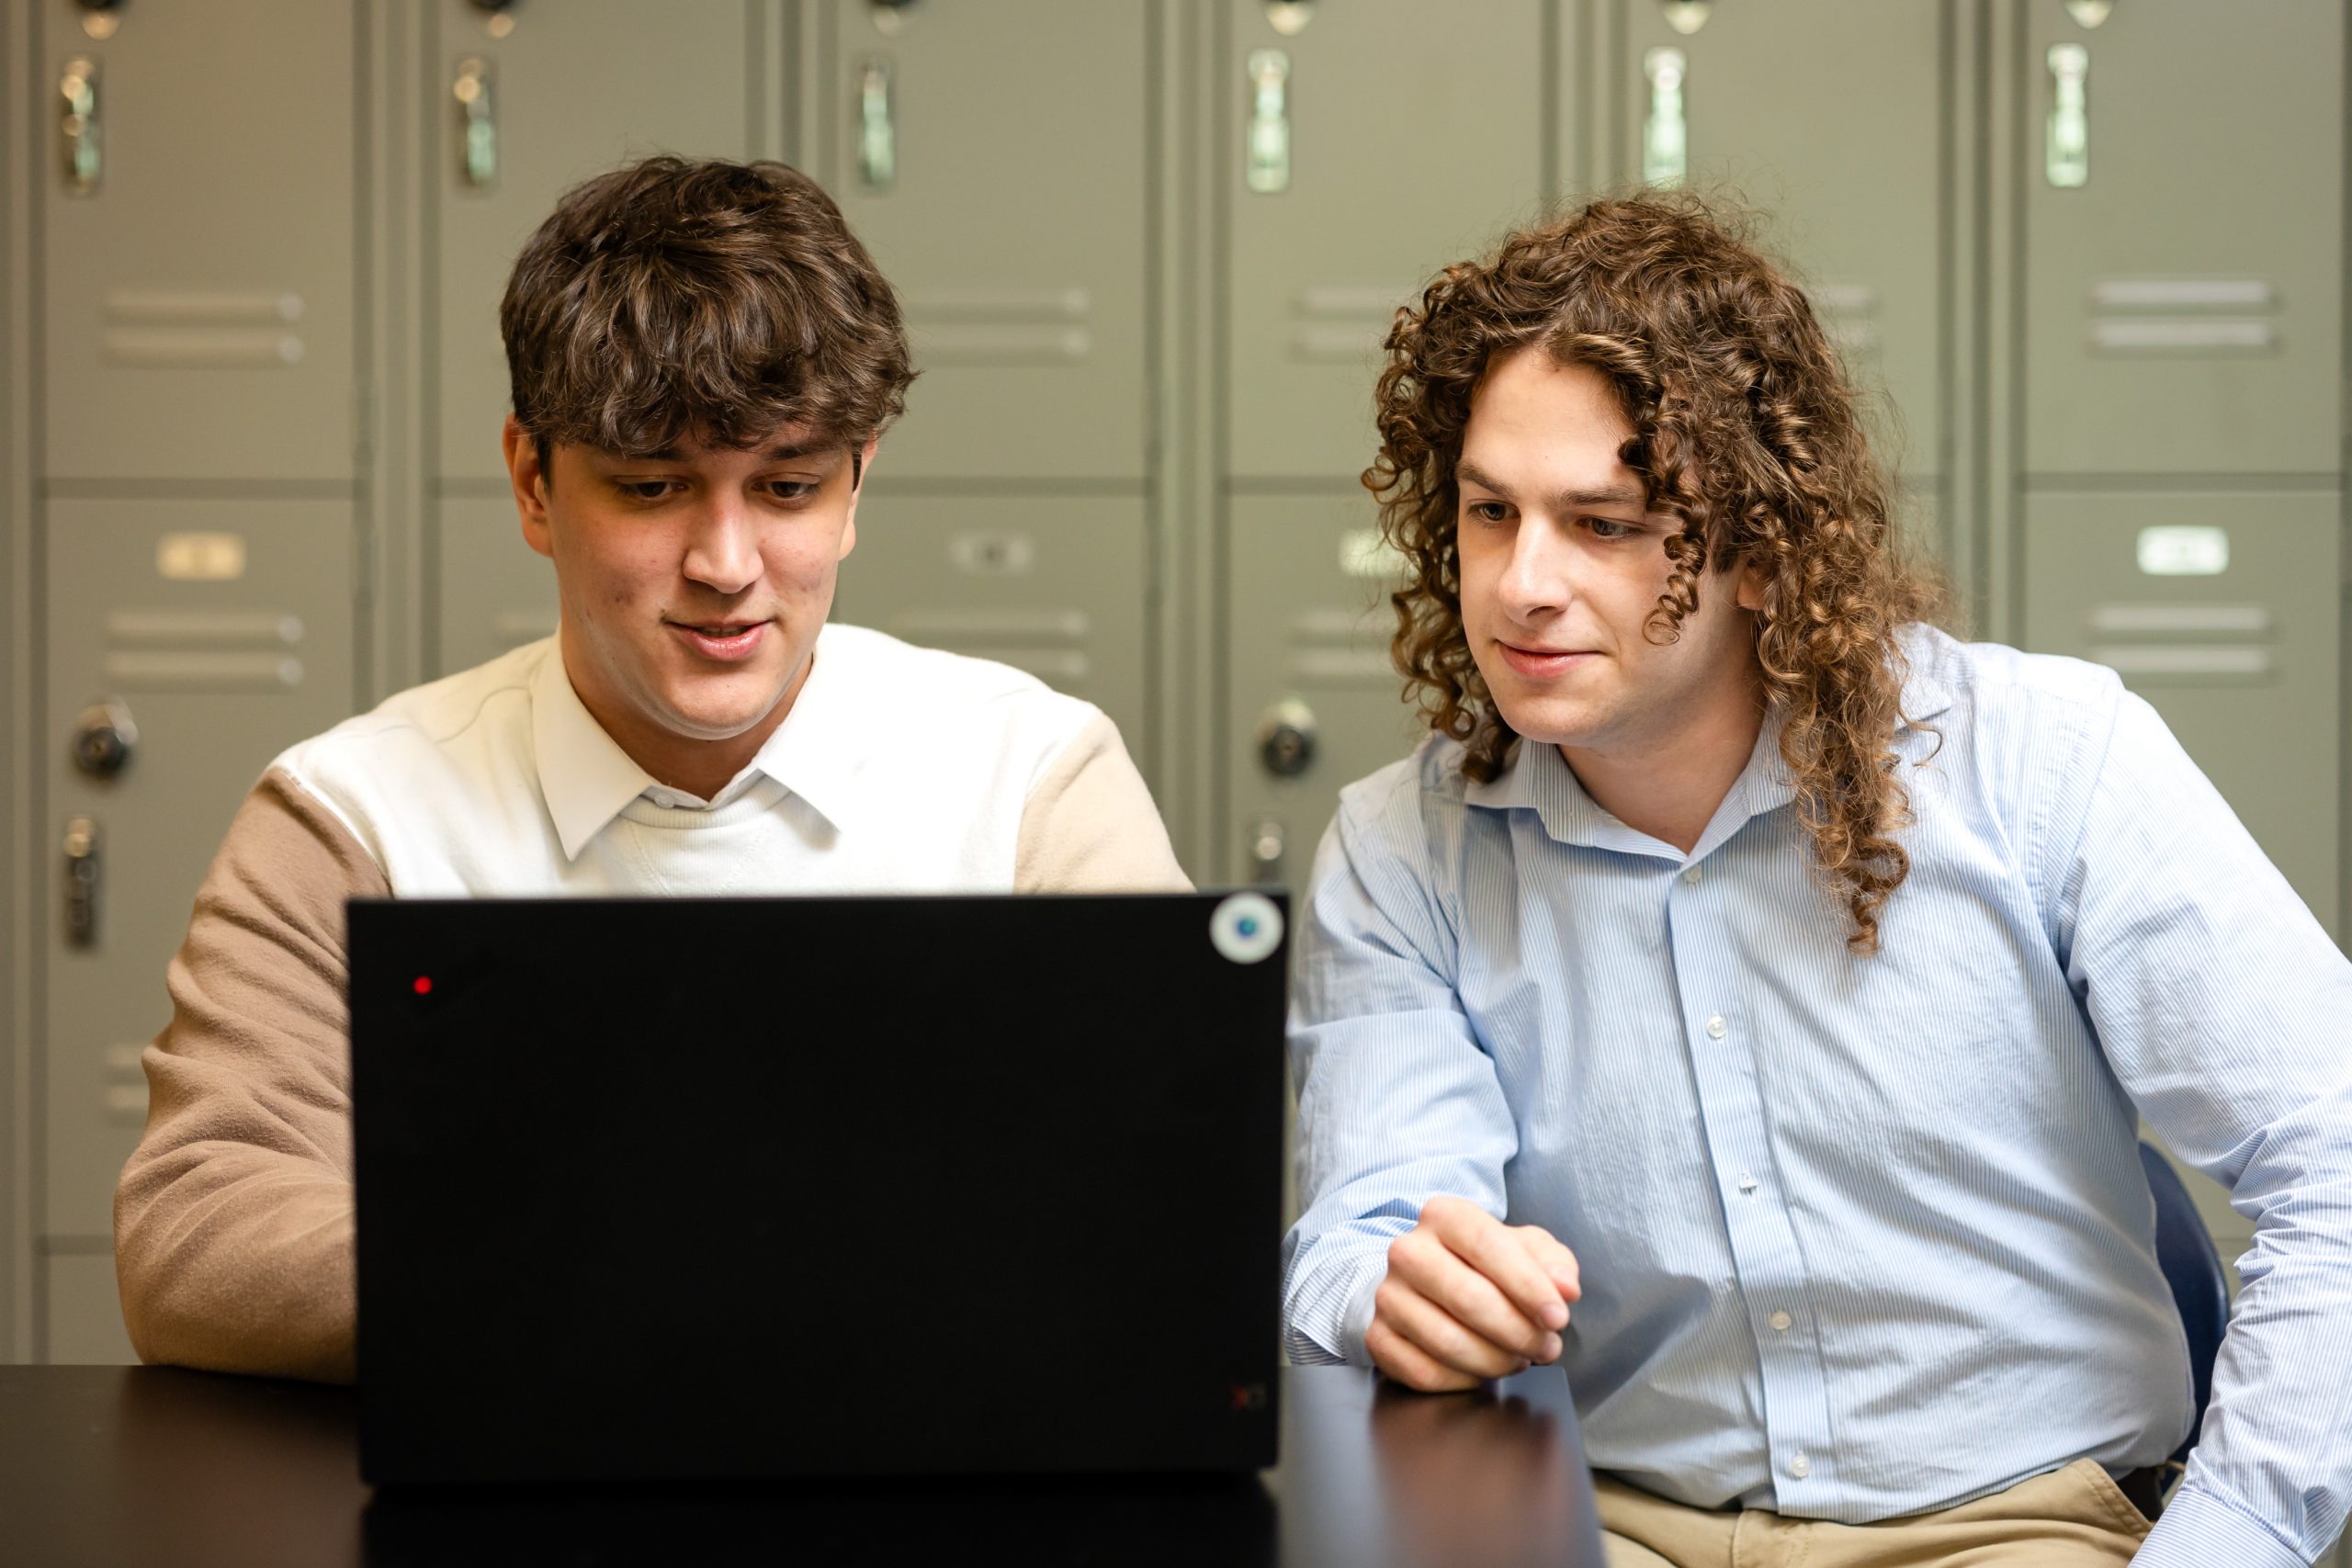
x,y
1861,1237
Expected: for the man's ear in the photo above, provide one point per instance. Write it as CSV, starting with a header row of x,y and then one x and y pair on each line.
x,y
862,469
1751,586
530,481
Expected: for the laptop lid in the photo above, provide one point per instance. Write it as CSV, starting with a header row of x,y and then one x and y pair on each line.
x,y
708,1188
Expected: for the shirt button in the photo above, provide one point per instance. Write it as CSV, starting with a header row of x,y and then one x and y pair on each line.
x,y
1716,1027
1800,1466
1691,875
1746,1185
1781,1322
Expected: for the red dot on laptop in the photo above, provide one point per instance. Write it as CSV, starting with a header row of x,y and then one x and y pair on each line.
x,y
424,985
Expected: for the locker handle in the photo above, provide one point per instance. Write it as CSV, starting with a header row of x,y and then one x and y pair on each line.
x,y
1266,850
1267,147
877,124
476,91
82,882
1665,134
78,120
2067,157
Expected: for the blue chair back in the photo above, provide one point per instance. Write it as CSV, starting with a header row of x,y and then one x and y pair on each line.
x,y
2193,1268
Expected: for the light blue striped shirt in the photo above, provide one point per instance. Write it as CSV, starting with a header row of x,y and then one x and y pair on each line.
x,y
1861,1237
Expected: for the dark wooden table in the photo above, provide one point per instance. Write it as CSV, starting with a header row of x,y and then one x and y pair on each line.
x,y
121,1467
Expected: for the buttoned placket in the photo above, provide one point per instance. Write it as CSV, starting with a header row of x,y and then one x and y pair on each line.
x,y
1765,1255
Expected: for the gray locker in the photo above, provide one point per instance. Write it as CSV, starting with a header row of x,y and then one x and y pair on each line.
x,y
522,113
1053,585
993,161
222,629
496,591
1313,703
84,1310
1827,116
2222,611
1361,153
2182,196
569,90
199,273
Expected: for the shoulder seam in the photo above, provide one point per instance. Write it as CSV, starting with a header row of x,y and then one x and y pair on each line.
x,y
301,786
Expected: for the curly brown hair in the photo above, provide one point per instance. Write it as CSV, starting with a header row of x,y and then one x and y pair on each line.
x,y
1745,428
671,298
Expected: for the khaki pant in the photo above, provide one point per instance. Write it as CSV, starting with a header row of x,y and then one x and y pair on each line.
x,y
2074,1518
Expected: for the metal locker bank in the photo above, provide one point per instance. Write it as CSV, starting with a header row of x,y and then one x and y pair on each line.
x,y
2087,260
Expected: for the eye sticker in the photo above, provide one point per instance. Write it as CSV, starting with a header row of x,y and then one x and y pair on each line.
x,y
1246,928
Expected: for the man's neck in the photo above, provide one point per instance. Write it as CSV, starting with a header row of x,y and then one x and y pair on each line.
x,y
699,768
1669,787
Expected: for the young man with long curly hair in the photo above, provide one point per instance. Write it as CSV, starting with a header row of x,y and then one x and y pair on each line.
x,y
1748,994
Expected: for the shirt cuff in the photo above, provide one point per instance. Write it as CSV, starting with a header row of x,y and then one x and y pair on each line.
x,y
2198,1529
1357,1321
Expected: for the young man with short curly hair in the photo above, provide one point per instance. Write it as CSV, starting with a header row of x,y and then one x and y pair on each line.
x,y
1748,997
702,361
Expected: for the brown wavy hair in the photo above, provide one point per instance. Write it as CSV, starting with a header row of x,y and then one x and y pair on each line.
x,y
671,298
1745,428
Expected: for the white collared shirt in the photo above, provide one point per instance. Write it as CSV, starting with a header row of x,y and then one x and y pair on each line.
x,y
899,768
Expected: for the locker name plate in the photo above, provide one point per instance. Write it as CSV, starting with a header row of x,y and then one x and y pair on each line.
x,y
2178,551
200,557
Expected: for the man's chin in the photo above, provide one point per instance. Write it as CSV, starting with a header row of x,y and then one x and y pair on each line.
x,y
695,716
1547,724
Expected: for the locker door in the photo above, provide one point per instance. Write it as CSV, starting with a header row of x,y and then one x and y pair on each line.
x,y
565,92
1052,584
1366,151
1826,116
198,282
1316,704
2221,611
222,629
2182,285
992,159
1362,153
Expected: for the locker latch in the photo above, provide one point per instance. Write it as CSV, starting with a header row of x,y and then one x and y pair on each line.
x,y
82,882
476,91
877,124
1268,145
77,124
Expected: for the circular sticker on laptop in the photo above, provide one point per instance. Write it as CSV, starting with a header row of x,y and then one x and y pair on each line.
x,y
1246,928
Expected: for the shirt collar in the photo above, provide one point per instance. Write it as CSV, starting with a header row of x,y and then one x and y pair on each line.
x,y
587,779
585,775
821,747
1538,778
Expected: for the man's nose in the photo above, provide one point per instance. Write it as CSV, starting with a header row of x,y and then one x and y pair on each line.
x,y
1538,578
723,549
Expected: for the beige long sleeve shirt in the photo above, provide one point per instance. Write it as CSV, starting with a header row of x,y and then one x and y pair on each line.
x,y
899,768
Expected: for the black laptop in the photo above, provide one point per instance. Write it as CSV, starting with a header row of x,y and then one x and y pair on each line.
x,y
706,1188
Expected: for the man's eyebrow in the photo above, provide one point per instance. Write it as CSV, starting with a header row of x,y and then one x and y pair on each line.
x,y
1566,500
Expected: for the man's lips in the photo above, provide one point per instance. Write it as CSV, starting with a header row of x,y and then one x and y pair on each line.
x,y
1540,663
725,641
